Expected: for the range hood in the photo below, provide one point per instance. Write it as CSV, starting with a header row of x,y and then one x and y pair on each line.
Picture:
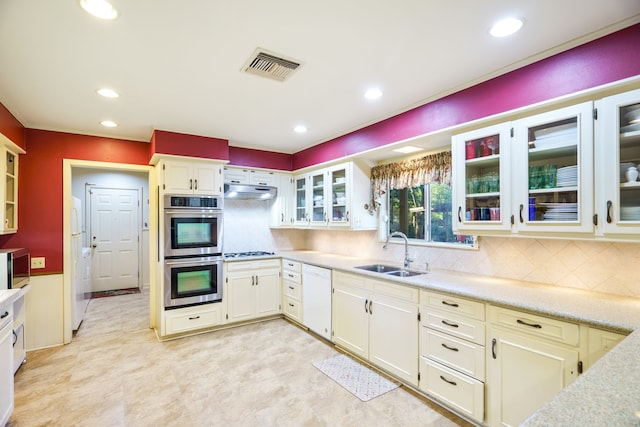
x,y
249,192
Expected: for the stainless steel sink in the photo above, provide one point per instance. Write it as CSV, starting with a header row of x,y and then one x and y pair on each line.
x,y
379,268
405,273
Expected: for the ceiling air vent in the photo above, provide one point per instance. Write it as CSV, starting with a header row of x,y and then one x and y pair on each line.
x,y
269,65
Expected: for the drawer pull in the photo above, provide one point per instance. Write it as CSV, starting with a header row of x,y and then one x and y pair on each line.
x,y
194,318
291,287
291,275
365,306
291,305
449,348
450,304
532,325
448,381
6,313
453,325
494,342
370,311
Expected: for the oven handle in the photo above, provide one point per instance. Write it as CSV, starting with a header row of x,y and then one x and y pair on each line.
x,y
193,261
191,212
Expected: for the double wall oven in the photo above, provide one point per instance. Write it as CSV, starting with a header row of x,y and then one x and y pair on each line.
x,y
193,260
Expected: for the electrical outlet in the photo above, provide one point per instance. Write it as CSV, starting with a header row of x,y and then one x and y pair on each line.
x,y
37,262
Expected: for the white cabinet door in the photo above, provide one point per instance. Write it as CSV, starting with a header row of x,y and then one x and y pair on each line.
x,y
393,337
523,374
481,189
267,293
317,211
350,315
6,369
177,177
240,295
301,196
282,209
339,195
207,178
552,168
617,149
192,177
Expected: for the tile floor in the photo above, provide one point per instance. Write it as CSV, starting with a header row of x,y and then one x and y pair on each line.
x,y
116,373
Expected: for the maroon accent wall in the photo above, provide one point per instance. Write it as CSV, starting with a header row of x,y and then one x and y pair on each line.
x,y
610,58
182,144
259,159
40,186
11,127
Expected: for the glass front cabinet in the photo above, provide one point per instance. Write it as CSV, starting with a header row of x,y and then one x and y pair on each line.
x,y
617,164
481,185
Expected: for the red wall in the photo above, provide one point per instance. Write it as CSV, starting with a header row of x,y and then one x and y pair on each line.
x,y
181,144
11,127
259,159
601,61
40,186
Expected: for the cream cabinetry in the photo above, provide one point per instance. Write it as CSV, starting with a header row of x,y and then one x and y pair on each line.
x,y
452,353
336,196
529,359
292,290
253,289
532,175
282,210
191,176
617,150
377,321
10,196
234,175
599,343
19,331
193,318
6,362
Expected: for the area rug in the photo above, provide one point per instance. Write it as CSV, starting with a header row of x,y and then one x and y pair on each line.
x,y
115,292
359,380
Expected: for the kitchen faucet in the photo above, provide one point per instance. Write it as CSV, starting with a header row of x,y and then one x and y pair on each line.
x,y
407,258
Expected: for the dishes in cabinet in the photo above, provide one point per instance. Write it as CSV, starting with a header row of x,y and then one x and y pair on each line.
x,y
567,176
560,211
555,136
630,213
623,170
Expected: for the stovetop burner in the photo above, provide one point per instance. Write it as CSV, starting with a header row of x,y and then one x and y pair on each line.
x,y
247,254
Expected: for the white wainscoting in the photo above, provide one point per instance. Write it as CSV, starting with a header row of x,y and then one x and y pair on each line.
x,y
44,311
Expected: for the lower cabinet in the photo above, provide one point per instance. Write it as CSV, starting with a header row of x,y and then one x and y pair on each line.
x,y
193,318
292,290
252,289
377,321
6,363
530,358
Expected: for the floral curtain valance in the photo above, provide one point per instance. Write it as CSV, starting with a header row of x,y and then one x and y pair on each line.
x,y
411,173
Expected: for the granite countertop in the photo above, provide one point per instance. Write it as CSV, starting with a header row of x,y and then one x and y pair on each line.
x,y
606,394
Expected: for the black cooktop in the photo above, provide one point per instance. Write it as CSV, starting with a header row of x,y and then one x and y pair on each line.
x,y
247,254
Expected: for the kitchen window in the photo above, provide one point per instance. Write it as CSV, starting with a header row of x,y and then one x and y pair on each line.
x,y
415,198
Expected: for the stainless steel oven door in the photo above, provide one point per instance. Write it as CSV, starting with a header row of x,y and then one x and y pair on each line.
x,y
192,232
190,281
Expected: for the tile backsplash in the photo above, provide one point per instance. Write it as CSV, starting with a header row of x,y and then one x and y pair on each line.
x,y
598,266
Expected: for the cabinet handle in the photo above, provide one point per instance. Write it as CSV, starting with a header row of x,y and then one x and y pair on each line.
x,y
532,325
194,318
15,338
325,216
291,287
450,304
291,305
459,212
448,381
521,208
365,305
262,183
346,216
370,310
609,218
190,184
282,216
290,275
195,184
6,313
449,348
257,280
253,280
235,181
453,325
493,348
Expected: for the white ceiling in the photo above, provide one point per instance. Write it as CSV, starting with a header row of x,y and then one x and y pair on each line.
x,y
177,64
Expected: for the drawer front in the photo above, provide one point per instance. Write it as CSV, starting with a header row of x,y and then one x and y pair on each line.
x,y
253,265
461,355
532,324
184,322
405,293
292,276
460,391
293,309
293,266
452,304
292,289
458,326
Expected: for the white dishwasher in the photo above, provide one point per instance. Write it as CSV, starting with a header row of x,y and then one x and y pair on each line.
x,y
316,299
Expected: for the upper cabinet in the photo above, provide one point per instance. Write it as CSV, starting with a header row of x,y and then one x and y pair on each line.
x,y
10,211
617,162
337,196
191,176
529,176
250,177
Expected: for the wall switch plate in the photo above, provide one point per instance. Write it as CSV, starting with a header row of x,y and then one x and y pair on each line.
x,y
37,262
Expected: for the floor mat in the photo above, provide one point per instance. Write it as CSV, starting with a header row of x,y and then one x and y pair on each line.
x,y
115,292
359,380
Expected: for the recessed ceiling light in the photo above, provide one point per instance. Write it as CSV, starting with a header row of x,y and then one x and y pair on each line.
x,y
109,124
506,27
407,149
373,93
300,129
108,93
99,8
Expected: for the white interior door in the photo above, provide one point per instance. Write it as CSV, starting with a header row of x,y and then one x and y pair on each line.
x,y
115,230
